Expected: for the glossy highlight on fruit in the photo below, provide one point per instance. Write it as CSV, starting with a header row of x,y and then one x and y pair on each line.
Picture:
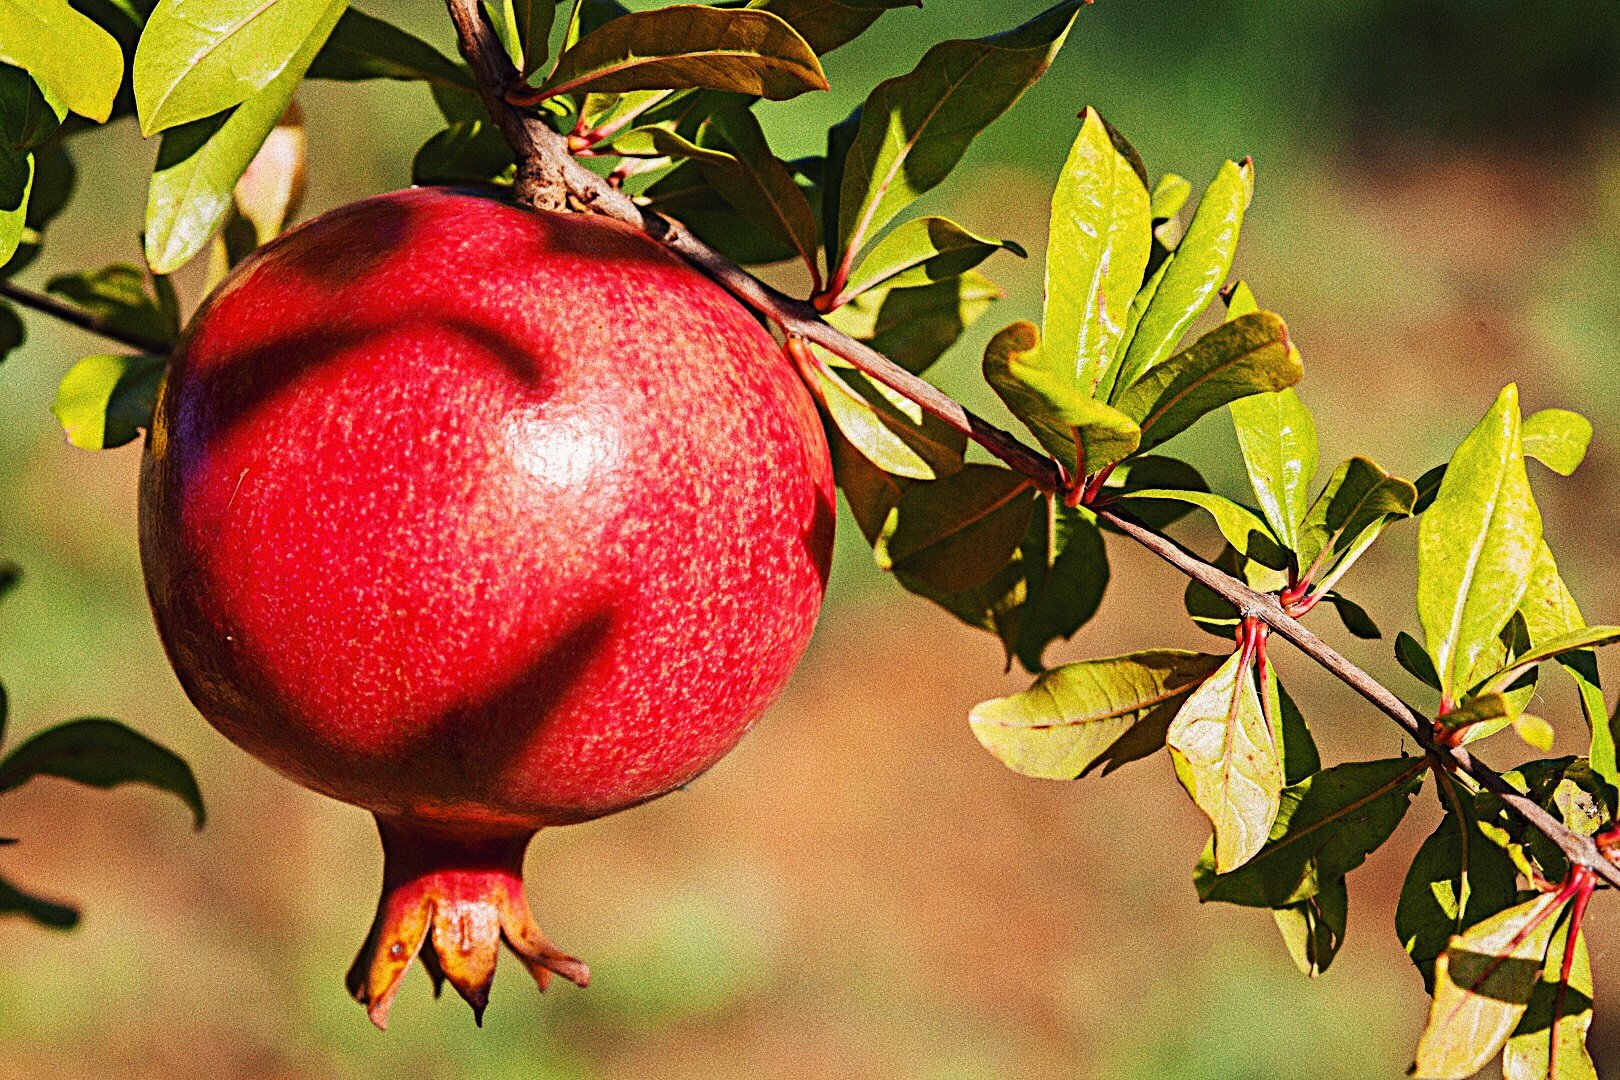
x,y
484,520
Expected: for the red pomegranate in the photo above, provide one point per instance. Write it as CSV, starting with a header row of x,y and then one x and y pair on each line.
x,y
483,520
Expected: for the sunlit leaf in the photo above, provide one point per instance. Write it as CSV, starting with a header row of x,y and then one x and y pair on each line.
x,y
103,754
106,401
923,251
1241,527
76,61
1359,500
1313,929
898,442
1557,438
1555,1005
1457,879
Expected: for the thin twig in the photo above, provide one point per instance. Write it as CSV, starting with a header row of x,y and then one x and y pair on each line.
x,y
50,305
549,178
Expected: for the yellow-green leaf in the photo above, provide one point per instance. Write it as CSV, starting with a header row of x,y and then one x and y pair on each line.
x,y
78,62
105,401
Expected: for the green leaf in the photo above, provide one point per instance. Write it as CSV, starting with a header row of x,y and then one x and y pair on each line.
x,y
1457,880
872,494
77,62
904,443
914,326
52,186
201,57
102,754
1241,527
1228,758
923,251
1081,432
1555,1006
956,533
1314,929
689,45
12,333
13,901
1490,708
1096,253
1248,355
914,129
362,47
16,180
466,152
1557,438
104,401
1066,575
1277,437
199,163
1326,826
1360,499
1079,716
28,116
1476,546
827,24
524,27
118,296
1575,640
1170,194
1482,986
1154,471
587,17
1193,274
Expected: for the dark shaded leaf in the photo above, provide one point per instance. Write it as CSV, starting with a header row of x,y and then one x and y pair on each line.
x,y
118,296
103,754
365,47
1066,575
914,326
105,401
957,532
1354,616
466,152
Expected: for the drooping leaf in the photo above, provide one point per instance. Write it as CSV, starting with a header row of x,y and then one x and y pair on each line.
x,y
914,129
14,901
1313,929
1557,438
923,251
1066,574
104,754
1573,641
76,61
1326,826
1359,500
1228,758
957,532
106,401
362,46
197,58
28,116
1080,431
908,444
1476,546
199,163
118,296
1192,276
827,24
1559,1010
1241,527
1082,715
466,152
1097,250
1482,987
1249,355
1457,880
914,326
689,45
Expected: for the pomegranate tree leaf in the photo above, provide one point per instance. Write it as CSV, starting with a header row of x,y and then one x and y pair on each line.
x,y
1457,879
103,754
1482,986
1572,641
362,46
828,24
524,28
891,431
466,152
14,901
923,251
1242,527
1228,757
957,532
1550,1041
1095,712
1347,515
915,326
1191,277
105,401
1557,438
689,45
1476,546
201,57
1065,576
28,115
199,163
913,129
1097,250
686,193
75,60
1354,616
16,180
119,297
1326,826
1249,355
1313,929
1155,471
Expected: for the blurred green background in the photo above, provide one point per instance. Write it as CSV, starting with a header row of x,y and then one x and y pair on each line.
x,y
859,890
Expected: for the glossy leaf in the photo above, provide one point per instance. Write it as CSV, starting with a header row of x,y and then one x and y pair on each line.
x,y
872,494
1081,432
914,129
957,532
1096,252
1066,574
1483,984
904,444
1170,194
689,45
75,60
118,296
197,58
1557,438
1248,355
1573,641
923,251
1560,1010
914,326
1476,546
1359,499
1228,758
1193,274
102,754
106,401
14,901
1078,716
1457,880
1314,929
1326,826
827,24
362,46
1277,437
1241,527
199,163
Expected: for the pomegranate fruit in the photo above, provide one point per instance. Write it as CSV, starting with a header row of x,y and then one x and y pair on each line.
x,y
483,520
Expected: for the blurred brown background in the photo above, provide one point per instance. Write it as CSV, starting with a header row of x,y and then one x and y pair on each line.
x,y
859,890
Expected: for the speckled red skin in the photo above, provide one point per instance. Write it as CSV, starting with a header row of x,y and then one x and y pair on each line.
x,y
480,518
